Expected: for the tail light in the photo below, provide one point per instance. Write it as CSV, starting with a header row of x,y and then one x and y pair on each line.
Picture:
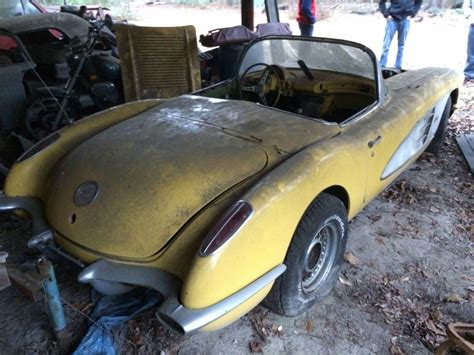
x,y
227,226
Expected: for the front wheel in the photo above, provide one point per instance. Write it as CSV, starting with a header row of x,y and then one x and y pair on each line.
x,y
313,259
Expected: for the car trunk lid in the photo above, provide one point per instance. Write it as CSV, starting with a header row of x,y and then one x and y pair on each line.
x,y
157,170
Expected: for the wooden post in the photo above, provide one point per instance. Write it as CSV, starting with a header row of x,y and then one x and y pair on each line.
x,y
247,14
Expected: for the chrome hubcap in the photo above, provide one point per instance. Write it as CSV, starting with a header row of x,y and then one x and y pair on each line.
x,y
319,257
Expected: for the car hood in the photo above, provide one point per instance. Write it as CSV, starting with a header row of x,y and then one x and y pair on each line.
x,y
155,171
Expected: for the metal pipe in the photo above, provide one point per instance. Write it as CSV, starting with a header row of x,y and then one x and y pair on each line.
x,y
51,294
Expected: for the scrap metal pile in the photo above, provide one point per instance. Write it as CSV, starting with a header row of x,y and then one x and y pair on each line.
x,y
59,68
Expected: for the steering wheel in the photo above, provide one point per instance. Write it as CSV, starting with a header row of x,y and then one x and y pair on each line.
x,y
263,85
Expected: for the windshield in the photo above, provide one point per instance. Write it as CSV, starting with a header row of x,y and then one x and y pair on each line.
x,y
317,54
10,8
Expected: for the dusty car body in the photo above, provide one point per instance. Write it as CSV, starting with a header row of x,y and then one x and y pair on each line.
x,y
237,192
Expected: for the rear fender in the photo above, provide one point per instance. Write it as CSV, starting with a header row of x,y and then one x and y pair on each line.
x,y
278,203
29,175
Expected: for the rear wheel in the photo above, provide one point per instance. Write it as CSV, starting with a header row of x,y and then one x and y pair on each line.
x,y
313,259
437,142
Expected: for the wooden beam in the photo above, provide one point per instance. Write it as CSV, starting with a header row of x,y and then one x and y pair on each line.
x,y
247,14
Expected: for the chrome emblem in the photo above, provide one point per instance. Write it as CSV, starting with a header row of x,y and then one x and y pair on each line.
x,y
86,193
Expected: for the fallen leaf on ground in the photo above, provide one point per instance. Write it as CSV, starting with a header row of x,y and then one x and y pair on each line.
x,y
309,326
454,298
351,258
395,350
255,346
435,329
135,338
345,281
468,277
425,274
434,209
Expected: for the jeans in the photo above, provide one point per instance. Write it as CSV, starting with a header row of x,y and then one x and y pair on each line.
x,y
393,26
469,69
306,30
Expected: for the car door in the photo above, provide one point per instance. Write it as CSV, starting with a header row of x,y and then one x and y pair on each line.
x,y
401,132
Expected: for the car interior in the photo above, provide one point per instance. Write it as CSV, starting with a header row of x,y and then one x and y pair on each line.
x,y
329,96
301,88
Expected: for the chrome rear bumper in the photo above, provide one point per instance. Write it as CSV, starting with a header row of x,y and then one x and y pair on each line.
x,y
116,277
185,320
171,312
103,273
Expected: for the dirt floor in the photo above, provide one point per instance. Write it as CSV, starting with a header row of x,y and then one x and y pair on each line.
x,y
409,272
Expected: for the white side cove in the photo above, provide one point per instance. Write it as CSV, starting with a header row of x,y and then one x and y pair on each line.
x,y
418,138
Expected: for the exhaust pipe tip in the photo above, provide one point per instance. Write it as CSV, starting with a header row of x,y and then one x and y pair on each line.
x,y
170,323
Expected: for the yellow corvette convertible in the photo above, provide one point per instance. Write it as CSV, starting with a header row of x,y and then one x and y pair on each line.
x,y
236,193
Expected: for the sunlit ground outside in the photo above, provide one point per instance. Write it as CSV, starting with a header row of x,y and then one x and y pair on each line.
x,y
435,41
439,40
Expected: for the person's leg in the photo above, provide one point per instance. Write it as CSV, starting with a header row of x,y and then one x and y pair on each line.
x,y
306,30
403,27
390,29
469,69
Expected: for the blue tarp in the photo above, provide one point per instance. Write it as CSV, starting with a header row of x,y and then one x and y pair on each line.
x,y
111,314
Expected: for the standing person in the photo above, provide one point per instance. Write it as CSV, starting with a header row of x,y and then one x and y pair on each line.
x,y
306,16
468,8
398,17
